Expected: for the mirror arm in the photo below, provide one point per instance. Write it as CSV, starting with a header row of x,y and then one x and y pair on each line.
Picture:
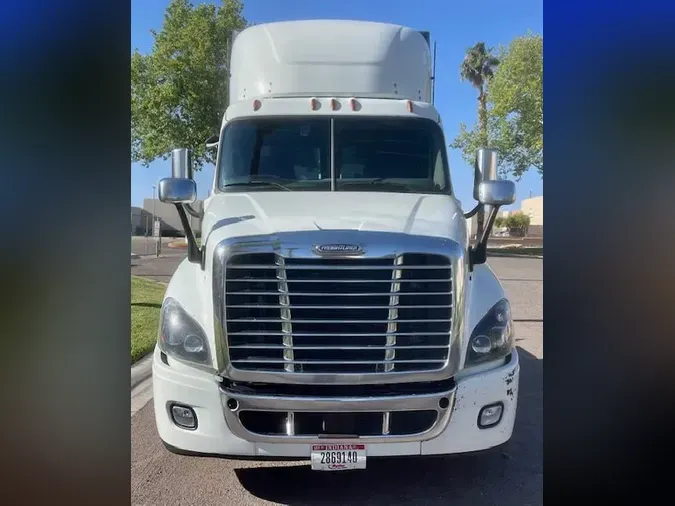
x,y
195,254
193,212
478,252
474,211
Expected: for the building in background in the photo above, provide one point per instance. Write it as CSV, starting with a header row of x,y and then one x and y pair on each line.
x,y
140,221
533,207
141,218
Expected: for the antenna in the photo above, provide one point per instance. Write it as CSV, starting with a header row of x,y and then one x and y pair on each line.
x,y
433,76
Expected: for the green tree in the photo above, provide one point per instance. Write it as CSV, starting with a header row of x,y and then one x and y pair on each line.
x,y
514,120
478,67
517,99
179,91
518,223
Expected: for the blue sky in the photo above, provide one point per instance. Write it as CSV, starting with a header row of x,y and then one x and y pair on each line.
x,y
453,25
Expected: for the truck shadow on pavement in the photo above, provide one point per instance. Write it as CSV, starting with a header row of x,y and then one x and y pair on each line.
x,y
510,476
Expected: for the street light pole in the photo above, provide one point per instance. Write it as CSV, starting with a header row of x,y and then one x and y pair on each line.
x,y
153,222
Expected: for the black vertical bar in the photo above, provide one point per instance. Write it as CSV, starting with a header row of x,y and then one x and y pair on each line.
x,y
433,76
332,155
194,252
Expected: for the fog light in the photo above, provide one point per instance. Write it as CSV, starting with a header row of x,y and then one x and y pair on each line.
x,y
184,417
490,415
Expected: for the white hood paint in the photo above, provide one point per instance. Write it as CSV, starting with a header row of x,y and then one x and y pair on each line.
x,y
266,213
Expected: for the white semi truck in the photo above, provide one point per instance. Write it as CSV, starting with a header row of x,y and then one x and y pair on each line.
x,y
336,309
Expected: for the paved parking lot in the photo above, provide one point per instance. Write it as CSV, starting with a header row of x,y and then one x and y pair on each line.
x,y
512,477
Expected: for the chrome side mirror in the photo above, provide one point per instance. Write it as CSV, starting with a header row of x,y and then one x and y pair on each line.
x,y
497,193
174,190
181,163
180,188
485,168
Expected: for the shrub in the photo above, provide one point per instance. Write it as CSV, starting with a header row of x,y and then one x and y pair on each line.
x,y
518,223
500,221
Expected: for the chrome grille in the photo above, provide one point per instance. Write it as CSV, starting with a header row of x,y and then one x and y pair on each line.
x,y
357,315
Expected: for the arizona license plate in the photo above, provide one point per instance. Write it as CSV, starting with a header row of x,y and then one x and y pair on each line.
x,y
338,457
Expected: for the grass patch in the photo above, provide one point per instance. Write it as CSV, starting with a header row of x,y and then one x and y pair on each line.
x,y
146,303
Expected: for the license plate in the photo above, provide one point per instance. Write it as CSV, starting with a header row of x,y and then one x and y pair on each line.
x,y
338,457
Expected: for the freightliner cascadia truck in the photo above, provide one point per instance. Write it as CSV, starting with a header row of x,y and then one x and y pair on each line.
x,y
336,309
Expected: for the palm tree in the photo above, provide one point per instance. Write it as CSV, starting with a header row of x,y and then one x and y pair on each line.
x,y
478,67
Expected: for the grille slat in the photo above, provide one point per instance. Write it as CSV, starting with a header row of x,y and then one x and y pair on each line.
x,y
340,280
322,315
332,267
341,334
330,321
272,306
295,347
319,294
262,360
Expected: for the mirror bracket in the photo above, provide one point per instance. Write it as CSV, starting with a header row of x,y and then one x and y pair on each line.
x,y
195,254
478,252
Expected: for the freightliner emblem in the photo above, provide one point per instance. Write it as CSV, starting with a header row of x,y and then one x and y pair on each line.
x,y
338,249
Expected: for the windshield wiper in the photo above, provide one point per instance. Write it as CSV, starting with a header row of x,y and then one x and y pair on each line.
x,y
386,180
382,180
253,183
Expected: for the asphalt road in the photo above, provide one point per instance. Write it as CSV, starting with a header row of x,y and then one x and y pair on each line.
x,y
146,246
511,477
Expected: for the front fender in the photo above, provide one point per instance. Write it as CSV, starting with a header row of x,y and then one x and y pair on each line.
x,y
190,286
483,291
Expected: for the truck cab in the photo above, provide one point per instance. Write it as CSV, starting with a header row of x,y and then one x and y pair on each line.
x,y
336,309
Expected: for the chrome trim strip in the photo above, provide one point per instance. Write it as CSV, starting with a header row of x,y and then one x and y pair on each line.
x,y
285,313
290,423
338,405
386,418
379,245
335,362
392,326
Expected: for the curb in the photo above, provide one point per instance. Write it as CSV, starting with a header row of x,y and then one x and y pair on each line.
x,y
141,370
141,383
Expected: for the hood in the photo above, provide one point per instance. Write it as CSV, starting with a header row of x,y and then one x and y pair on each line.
x,y
266,213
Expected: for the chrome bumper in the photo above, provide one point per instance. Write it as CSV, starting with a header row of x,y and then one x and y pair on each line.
x,y
291,405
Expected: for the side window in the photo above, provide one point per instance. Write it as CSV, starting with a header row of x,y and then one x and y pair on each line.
x,y
439,169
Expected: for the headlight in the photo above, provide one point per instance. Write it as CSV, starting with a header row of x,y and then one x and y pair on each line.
x,y
180,336
493,336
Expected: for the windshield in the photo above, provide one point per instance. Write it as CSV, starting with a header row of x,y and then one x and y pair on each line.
x,y
369,154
